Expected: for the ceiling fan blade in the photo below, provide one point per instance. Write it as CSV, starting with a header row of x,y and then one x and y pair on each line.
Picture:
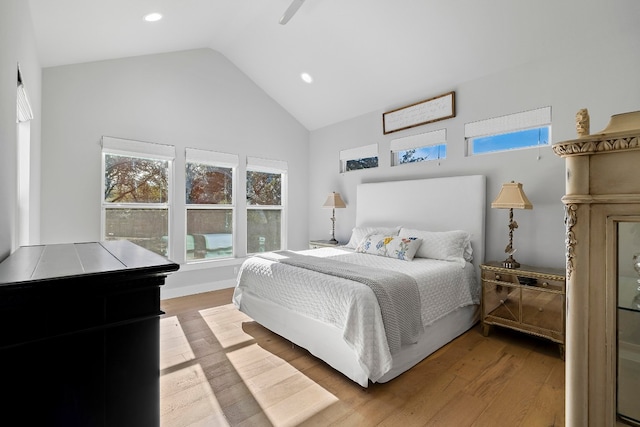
x,y
291,10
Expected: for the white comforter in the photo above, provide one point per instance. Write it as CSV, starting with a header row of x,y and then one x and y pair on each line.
x,y
351,306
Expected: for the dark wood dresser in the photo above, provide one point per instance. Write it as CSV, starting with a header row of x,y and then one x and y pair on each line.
x,y
79,334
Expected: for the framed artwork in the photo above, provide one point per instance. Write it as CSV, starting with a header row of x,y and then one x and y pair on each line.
x,y
423,112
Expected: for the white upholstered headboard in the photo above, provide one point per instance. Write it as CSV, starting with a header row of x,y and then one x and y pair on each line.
x,y
435,204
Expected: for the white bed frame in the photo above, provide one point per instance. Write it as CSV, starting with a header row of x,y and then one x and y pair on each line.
x,y
437,204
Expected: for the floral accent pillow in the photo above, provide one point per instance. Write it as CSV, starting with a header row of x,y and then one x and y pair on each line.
x,y
358,234
403,248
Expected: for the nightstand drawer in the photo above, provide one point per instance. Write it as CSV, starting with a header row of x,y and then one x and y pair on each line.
x,y
315,244
500,276
543,310
501,301
525,279
555,285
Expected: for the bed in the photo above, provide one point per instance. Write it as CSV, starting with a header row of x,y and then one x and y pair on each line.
x,y
328,300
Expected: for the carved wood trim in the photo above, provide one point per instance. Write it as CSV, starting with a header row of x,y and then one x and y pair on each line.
x,y
570,220
588,199
597,144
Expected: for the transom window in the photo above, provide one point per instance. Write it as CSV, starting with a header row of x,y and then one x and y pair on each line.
x,y
419,148
527,129
511,141
359,158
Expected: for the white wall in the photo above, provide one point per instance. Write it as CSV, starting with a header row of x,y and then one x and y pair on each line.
x,y
194,99
17,45
602,78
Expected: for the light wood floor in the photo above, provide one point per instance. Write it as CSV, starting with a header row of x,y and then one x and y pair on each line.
x,y
219,368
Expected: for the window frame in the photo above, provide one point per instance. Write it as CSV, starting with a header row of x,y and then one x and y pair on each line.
x,y
508,124
141,150
472,141
436,138
255,164
221,160
24,115
359,153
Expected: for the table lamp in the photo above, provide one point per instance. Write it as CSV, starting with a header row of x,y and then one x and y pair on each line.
x,y
334,201
511,197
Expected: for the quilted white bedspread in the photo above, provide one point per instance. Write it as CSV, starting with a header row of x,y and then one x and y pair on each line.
x,y
351,306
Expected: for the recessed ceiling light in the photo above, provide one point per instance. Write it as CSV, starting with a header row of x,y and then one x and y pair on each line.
x,y
153,17
306,77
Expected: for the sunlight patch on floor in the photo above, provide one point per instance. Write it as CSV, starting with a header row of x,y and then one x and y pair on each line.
x,y
226,324
194,404
286,395
175,345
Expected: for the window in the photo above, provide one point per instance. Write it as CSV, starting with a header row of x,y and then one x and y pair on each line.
x,y
419,148
266,191
359,158
24,115
511,141
136,192
210,202
520,130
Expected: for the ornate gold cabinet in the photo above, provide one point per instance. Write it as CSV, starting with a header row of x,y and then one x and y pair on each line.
x,y
602,217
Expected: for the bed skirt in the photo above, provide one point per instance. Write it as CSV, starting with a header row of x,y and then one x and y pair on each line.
x,y
325,341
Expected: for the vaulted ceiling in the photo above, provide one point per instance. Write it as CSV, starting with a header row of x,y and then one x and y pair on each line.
x,y
364,55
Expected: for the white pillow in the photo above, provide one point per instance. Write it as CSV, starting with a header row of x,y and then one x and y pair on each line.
x,y
445,245
359,233
403,248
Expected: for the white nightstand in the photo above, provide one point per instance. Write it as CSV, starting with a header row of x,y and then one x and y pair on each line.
x,y
314,244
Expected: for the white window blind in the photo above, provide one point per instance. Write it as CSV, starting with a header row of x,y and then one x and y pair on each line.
x,y
509,123
212,158
363,152
24,113
266,165
421,140
130,147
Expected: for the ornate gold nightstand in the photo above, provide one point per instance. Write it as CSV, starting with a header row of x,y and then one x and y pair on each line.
x,y
527,299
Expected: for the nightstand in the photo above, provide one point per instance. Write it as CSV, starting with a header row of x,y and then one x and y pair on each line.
x,y
527,299
314,244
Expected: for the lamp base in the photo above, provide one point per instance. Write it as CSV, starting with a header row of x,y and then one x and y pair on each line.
x,y
510,263
333,241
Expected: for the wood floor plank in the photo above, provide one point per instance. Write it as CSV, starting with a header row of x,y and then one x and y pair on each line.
x,y
220,368
461,410
424,405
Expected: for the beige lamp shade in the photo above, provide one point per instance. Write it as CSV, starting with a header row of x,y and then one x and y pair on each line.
x,y
334,201
512,196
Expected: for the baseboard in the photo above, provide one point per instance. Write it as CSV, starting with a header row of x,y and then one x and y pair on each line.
x,y
181,291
